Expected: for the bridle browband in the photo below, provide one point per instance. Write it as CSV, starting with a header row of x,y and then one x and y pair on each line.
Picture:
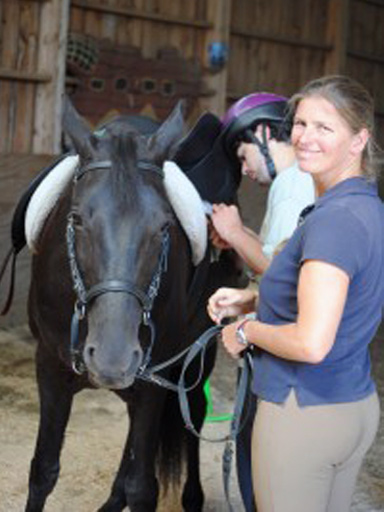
x,y
84,297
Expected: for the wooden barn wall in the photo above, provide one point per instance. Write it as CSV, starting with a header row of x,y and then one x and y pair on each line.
x,y
147,25
274,49
279,45
365,53
18,53
32,37
273,45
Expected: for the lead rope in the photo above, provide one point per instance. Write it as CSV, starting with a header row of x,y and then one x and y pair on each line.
x,y
236,427
200,345
198,348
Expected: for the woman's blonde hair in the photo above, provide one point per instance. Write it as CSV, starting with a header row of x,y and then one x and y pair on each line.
x,y
354,104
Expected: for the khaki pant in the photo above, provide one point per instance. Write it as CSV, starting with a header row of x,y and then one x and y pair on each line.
x,y
307,459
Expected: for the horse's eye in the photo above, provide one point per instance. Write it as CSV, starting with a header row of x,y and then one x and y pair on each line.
x,y
77,220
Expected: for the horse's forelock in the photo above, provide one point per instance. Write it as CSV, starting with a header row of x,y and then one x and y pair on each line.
x,y
124,157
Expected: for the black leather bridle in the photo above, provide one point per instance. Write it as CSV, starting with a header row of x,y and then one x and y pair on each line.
x,y
84,297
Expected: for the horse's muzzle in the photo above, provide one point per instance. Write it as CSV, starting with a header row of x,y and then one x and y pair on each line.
x,y
110,373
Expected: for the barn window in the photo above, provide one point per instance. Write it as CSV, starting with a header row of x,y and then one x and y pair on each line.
x,y
167,88
97,84
148,85
121,84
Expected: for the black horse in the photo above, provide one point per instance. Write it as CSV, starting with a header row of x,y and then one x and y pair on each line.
x,y
113,251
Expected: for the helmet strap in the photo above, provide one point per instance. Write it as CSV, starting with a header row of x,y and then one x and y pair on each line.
x,y
263,146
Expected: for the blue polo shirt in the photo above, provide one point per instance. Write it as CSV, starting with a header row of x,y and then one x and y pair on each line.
x,y
345,228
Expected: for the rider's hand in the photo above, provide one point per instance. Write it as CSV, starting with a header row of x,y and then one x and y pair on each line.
x,y
226,222
230,302
216,239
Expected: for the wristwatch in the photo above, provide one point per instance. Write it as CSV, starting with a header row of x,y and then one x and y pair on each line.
x,y
240,334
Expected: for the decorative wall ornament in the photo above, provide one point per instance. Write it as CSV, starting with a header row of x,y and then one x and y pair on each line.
x,y
104,79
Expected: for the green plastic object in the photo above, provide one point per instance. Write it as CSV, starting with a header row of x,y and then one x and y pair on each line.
x,y
211,417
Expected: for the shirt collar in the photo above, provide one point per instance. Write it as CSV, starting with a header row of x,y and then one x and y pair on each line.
x,y
356,185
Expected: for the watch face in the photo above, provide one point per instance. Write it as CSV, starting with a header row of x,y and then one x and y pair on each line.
x,y
240,336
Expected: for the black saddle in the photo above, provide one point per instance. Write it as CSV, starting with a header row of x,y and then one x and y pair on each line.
x,y
203,158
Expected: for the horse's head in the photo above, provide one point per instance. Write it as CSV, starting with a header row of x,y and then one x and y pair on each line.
x,y
117,238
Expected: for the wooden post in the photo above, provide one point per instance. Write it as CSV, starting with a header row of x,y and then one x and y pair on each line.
x,y
51,59
337,36
219,13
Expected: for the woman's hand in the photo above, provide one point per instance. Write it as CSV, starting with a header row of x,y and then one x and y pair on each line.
x,y
229,340
230,302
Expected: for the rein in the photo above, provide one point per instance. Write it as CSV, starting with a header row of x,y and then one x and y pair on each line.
x,y
84,297
198,348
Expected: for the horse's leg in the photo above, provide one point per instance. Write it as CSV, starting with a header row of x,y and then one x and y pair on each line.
x,y
117,500
193,496
136,485
55,406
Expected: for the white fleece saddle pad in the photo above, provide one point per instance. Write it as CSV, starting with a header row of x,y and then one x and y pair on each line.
x,y
45,197
183,196
188,207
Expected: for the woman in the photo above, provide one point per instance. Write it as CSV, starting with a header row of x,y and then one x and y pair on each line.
x,y
320,304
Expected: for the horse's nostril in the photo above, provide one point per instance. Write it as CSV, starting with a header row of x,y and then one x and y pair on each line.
x,y
137,356
136,361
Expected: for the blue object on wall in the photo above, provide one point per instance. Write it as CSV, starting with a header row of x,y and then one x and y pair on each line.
x,y
217,55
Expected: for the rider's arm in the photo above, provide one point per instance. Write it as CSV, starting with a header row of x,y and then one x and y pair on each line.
x,y
227,223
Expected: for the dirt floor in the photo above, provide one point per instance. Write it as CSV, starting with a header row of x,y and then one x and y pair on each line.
x,y
96,434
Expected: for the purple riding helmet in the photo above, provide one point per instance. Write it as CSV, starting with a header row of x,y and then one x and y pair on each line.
x,y
241,119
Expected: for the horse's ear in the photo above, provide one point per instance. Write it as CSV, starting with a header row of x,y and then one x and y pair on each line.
x,y
163,143
76,128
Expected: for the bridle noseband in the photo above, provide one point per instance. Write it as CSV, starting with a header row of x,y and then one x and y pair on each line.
x,y
84,297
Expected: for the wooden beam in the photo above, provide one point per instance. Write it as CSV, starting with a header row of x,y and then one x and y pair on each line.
x,y
377,59
273,38
219,12
337,36
24,76
133,13
377,3
52,51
